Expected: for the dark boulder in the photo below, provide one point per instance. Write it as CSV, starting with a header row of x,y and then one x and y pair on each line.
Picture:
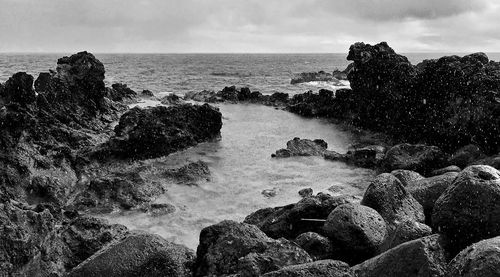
x,y
406,231
466,155
342,75
416,157
427,191
291,220
468,211
307,192
482,259
391,200
302,147
147,93
206,96
407,177
159,131
228,94
138,254
311,104
172,99
326,268
316,245
422,257
280,97
230,248
359,230
19,89
121,93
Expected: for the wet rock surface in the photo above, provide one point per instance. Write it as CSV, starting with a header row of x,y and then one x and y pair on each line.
x,y
312,76
238,248
325,268
468,210
422,257
302,147
480,259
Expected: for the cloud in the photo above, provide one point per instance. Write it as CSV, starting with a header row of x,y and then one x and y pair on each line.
x,y
246,25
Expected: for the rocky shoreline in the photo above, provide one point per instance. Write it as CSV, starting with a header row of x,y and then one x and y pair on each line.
x,y
61,157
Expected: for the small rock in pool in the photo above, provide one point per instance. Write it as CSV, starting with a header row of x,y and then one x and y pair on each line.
x,y
306,192
270,192
159,209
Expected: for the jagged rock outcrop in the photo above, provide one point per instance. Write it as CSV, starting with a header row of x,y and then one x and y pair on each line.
x,y
319,76
159,131
302,147
121,93
416,157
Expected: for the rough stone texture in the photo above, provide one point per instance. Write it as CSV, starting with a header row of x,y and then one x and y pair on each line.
x,y
138,255
316,245
444,170
189,173
422,257
406,231
406,176
427,191
159,131
391,200
482,259
312,76
22,233
359,230
311,104
302,147
238,248
326,268
19,89
416,157
119,190
286,221
121,93
466,155
469,210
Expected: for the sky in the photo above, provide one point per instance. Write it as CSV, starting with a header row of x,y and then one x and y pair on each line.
x,y
247,26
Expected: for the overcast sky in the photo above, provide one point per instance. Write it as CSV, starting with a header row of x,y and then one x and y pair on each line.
x,y
177,26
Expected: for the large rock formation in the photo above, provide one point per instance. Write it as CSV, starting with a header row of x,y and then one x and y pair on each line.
x,y
238,248
159,131
422,257
468,211
481,259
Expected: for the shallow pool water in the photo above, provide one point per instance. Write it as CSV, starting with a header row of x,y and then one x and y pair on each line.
x,y
242,168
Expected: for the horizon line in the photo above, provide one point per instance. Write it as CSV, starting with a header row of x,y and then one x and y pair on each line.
x,y
228,53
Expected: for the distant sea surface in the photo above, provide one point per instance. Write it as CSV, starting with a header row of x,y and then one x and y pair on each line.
x,y
181,73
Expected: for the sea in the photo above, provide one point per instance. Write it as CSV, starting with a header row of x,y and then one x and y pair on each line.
x,y
244,177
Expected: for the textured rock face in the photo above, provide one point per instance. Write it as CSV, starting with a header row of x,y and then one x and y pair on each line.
x,y
302,147
448,102
406,176
481,259
390,199
190,173
416,157
312,76
359,230
121,93
326,268
406,231
422,257
468,211
138,255
237,248
427,191
317,246
159,131
19,89
287,221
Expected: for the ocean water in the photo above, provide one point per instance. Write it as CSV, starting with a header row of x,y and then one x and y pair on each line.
x,y
240,162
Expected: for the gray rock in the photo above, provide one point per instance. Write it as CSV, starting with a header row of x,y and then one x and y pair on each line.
x,y
306,192
406,231
302,147
482,259
392,201
138,254
422,257
466,155
427,191
189,173
468,211
326,268
407,176
238,248
316,245
416,157
359,230
287,221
